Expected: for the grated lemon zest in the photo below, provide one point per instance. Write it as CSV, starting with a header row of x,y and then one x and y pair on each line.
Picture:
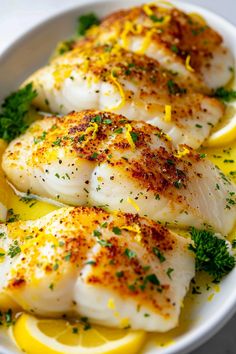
x,y
129,137
93,127
167,137
147,8
61,73
216,288
121,91
100,179
135,228
129,28
111,304
146,41
182,153
124,322
210,297
187,64
133,203
167,113
41,239
195,16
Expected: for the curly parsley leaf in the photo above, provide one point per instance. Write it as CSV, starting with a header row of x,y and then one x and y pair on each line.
x,y
85,22
212,254
225,95
14,110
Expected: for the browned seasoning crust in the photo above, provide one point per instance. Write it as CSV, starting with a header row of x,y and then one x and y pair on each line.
x,y
103,137
77,232
188,33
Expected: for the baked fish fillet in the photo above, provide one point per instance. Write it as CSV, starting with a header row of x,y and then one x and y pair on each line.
x,y
113,79
183,43
118,270
103,159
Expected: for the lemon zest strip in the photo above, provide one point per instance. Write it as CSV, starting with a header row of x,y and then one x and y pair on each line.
x,y
167,113
182,153
187,64
129,137
133,203
121,91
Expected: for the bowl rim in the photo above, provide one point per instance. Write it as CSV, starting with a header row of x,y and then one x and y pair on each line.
x,y
199,336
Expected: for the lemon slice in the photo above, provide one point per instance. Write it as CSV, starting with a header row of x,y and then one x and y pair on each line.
x,y
225,132
37,336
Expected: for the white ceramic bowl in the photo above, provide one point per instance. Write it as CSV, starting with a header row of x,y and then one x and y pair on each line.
x,y
29,53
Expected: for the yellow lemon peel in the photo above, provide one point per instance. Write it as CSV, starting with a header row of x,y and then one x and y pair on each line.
x,y
167,113
187,64
129,137
133,203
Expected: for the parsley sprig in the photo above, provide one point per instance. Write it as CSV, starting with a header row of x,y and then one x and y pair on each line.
x,y
85,22
212,254
225,95
14,111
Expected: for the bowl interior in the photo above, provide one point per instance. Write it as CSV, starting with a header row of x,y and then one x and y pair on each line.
x,y
32,51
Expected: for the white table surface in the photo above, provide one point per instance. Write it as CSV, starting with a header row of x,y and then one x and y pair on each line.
x,y
17,16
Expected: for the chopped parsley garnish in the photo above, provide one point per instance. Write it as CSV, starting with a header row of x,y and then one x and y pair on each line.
x,y
68,257
134,136
85,322
57,142
51,286
96,119
120,274
178,184
65,46
6,318
234,244
225,95
116,230
169,271
94,155
40,138
159,254
97,233
152,278
11,216
107,121
14,249
174,48
85,22
91,262
212,254
228,161
104,243
13,120
118,130
174,89
129,253
154,18
2,234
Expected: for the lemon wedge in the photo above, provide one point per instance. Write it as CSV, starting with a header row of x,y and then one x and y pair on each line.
x,y
225,132
51,336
